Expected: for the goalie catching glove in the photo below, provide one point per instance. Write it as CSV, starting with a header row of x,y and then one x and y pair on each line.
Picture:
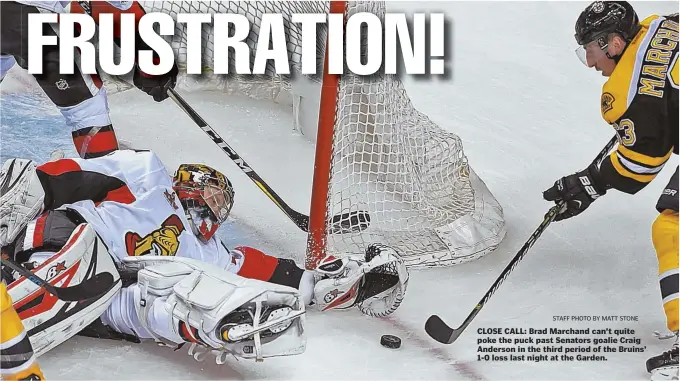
x,y
21,197
375,282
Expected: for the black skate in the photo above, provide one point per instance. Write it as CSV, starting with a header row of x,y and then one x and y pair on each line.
x,y
238,325
665,365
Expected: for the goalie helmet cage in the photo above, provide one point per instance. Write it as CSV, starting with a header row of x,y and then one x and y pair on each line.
x,y
374,151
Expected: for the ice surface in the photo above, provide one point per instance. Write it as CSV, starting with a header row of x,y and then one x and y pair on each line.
x,y
527,111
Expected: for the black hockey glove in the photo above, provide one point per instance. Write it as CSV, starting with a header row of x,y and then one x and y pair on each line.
x,y
156,85
578,191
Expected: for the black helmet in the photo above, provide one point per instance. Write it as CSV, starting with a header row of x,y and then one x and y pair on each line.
x,y
603,17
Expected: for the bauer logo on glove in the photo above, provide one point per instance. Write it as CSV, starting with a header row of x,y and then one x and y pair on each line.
x,y
577,191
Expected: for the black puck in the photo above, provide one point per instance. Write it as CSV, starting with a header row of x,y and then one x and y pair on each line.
x,y
390,341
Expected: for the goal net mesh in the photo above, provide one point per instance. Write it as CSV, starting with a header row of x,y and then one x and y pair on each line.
x,y
388,159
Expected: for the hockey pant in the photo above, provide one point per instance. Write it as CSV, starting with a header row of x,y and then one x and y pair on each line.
x,y
50,231
665,239
17,359
80,98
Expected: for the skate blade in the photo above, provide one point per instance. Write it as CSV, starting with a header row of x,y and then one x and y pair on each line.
x,y
270,324
665,373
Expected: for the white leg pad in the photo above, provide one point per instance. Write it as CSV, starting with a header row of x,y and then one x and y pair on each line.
x,y
50,321
201,295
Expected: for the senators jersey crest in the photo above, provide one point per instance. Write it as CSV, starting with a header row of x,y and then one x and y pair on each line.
x,y
162,241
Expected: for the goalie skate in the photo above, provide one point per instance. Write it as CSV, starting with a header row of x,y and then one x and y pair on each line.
x,y
274,320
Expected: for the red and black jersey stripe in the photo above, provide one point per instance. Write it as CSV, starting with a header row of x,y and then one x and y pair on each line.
x,y
91,143
65,182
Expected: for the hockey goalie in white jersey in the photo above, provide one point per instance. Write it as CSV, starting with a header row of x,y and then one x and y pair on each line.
x,y
174,280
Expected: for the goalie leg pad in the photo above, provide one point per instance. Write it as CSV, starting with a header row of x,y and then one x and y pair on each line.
x,y
203,302
21,197
50,321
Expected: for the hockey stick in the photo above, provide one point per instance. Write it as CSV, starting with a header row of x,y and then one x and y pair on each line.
x,y
440,331
88,289
346,222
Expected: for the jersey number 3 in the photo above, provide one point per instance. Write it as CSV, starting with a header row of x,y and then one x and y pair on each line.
x,y
626,132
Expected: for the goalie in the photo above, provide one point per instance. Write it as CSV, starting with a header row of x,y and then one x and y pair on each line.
x,y
174,280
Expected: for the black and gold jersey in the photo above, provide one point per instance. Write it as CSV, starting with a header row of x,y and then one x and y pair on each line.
x,y
640,100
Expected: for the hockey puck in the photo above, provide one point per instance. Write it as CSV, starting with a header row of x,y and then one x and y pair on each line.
x,y
390,341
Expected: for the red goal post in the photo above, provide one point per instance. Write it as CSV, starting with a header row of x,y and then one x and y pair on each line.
x,y
316,243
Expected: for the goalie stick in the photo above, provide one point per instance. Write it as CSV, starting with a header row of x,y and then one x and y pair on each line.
x,y
355,221
440,331
87,289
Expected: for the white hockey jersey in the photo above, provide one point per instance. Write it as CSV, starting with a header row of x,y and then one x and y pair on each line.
x,y
142,216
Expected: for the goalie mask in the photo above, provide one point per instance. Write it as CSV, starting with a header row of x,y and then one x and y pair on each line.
x,y
206,195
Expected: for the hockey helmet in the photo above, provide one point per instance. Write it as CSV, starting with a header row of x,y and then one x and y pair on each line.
x,y
206,195
600,19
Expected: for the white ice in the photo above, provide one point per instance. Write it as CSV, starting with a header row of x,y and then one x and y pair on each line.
x,y
528,113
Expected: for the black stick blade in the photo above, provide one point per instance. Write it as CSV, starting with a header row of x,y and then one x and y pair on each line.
x,y
91,288
440,331
352,222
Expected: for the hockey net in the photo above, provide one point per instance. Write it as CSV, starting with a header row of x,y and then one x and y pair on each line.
x,y
383,156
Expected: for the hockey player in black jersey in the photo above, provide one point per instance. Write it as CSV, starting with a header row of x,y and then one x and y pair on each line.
x,y
640,100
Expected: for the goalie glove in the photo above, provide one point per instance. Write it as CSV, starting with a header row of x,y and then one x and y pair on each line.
x,y
21,197
375,282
